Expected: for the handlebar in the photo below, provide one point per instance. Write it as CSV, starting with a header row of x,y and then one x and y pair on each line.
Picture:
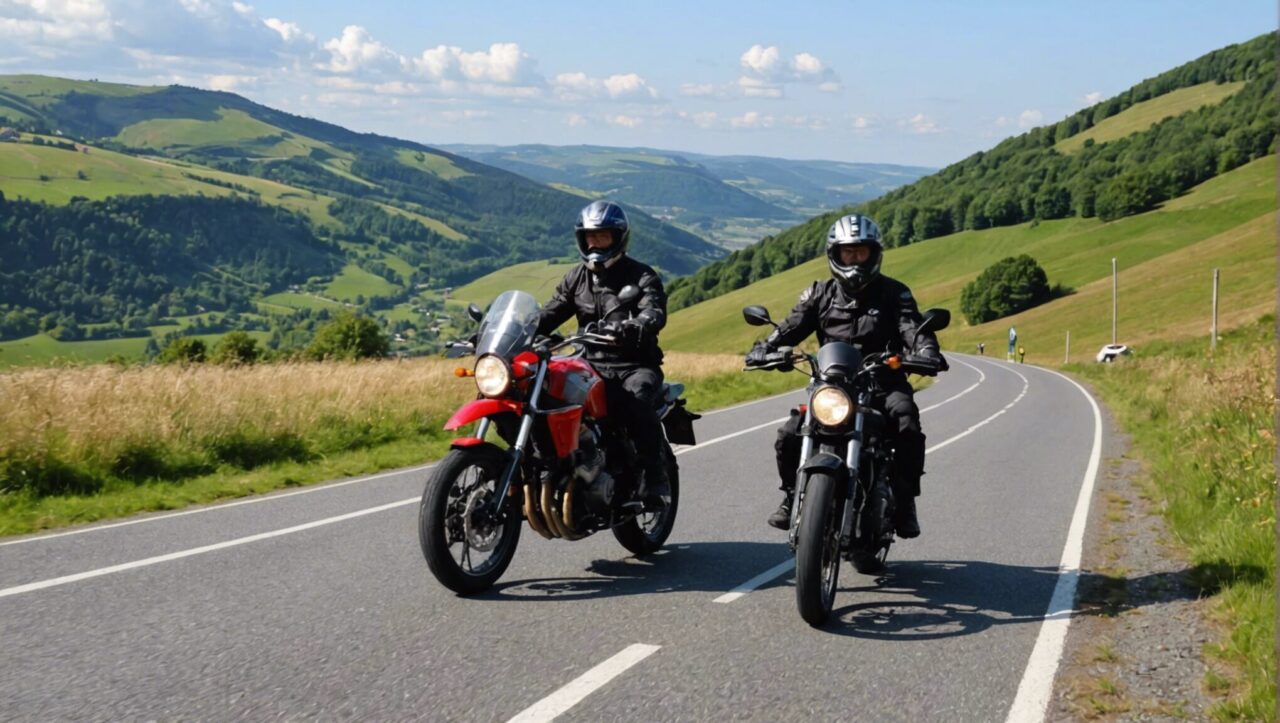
x,y
785,359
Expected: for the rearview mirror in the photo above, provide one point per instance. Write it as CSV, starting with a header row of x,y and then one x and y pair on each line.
x,y
757,315
474,312
935,320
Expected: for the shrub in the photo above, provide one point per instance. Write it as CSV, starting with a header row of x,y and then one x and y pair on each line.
x,y
183,350
349,336
1010,285
236,348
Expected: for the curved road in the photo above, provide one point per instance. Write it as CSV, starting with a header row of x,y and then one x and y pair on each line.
x,y
317,602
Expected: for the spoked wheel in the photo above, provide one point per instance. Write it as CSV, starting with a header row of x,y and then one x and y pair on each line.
x,y
818,550
646,532
466,546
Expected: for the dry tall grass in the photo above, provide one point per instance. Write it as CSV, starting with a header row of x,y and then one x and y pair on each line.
x,y
65,430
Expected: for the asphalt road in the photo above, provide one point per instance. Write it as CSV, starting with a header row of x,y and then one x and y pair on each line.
x,y
317,602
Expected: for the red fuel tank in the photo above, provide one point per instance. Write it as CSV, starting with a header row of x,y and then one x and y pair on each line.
x,y
574,381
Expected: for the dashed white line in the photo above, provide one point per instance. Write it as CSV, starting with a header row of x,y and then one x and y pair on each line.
x,y
1036,687
755,582
981,378
1025,386
586,684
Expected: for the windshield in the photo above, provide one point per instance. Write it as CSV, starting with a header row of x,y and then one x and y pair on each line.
x,y
509,325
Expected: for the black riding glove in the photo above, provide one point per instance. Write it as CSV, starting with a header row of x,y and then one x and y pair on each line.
x,y
759,354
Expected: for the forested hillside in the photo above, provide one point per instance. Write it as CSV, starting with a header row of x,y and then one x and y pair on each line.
x,y
1041,175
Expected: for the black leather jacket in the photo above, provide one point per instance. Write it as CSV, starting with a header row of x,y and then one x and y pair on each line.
x,y
594,297
881,317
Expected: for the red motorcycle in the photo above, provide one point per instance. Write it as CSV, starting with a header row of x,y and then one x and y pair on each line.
x,y
567,467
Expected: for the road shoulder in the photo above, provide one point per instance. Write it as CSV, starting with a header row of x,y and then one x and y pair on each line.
x,y
1134,649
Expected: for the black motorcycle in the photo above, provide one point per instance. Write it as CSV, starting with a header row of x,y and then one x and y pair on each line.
x,y
843,506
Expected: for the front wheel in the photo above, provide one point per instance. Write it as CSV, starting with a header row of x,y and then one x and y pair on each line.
x,y
466,546
645,533
818,549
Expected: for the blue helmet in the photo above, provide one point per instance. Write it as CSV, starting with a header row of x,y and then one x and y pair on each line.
x,y
606,215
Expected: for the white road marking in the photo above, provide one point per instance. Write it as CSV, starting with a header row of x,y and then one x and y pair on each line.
x,y
1025,386
221,506
65,579
722,438
714,412
755,582
981,378
1032,700
586,684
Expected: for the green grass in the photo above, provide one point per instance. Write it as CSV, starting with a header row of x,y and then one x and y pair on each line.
x,y
431,163
1141,116
1205,429
43,350
115,174
354,281
233,128
536,277
1222,222
290,300
43,91
438,226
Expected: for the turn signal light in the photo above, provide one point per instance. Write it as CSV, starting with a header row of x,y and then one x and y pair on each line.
x,y
893,362
462,372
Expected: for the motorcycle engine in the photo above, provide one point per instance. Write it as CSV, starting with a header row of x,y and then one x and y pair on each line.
x,y
597,483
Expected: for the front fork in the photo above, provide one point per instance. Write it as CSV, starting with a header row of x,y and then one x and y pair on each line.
x,y
522,441
853,455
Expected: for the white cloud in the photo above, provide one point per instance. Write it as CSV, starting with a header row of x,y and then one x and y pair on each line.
x,y
576,86
863,123
501,64
698,90
289,32
805,64
831,86
1002,121
811,122
357,51
757,88
704,120
1093,98
575,120
626,121
751,119
762,61
1030,117
231,83
48,23
920,124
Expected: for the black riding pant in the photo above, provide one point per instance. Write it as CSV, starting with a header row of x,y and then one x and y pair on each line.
x,y
899,404
633,395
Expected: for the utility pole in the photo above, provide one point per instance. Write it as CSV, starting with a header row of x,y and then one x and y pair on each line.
x,y
1113,300
1066,358
1213,331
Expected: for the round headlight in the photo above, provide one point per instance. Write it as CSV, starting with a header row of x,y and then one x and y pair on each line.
x,y
831,406
492,376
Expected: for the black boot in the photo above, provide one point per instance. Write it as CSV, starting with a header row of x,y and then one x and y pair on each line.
x,y
781,518
904,517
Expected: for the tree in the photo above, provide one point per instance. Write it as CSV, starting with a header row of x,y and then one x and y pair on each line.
x,y
235,349
349,336
1010,285
183,350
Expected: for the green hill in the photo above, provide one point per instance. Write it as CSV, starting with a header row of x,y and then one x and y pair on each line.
x,y
729,199
395,219
1135,156
1165,256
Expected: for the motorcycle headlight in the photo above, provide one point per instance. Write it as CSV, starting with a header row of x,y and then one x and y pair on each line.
x,y
493,378
831,406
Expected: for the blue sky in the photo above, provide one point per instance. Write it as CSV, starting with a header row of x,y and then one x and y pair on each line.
x,y
924,82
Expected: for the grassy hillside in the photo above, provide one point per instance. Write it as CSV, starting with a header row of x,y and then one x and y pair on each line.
x,y
1228,221
536,277
1140,117
1225,107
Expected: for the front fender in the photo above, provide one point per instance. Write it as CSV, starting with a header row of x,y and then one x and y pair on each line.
x,y
481,408
825,462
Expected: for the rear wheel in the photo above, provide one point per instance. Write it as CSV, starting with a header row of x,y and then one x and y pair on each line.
x,y
818,549
645,533
466,546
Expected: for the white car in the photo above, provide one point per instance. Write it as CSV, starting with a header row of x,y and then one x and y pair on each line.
x,y
1109,352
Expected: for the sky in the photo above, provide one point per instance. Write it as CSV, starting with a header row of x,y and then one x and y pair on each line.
x,y
916,82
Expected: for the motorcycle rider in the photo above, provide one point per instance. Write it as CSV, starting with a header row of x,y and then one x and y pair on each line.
x,y
860,306
631,371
